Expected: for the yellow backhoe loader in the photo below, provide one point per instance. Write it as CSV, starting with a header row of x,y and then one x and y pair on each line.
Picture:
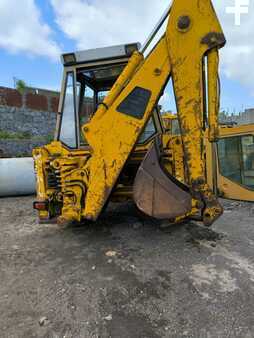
x,y
110,143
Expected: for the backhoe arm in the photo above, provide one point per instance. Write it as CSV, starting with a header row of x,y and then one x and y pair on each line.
x,y
193,31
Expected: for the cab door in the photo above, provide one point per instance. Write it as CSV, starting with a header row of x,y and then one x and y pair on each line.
x,y
235,163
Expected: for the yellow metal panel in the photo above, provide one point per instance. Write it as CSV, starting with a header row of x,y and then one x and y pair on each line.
x,y
234,191
187,48
213,95
112,135
237,130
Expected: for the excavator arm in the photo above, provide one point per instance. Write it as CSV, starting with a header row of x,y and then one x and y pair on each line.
x,y
188,47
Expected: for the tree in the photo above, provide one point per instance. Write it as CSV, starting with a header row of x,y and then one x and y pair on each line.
x,y
21,86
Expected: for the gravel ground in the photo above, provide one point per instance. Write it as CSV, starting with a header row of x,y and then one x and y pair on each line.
x,y
126,276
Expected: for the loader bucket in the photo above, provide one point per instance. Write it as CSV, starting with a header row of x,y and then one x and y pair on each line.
x,y
158,194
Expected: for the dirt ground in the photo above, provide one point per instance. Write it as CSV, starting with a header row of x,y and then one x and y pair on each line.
x,y
126,276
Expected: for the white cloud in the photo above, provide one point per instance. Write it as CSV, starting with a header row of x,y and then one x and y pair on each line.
x,y
22,30
96,23
237,56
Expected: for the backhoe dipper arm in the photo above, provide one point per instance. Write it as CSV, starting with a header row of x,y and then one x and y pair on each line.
x,y
193,31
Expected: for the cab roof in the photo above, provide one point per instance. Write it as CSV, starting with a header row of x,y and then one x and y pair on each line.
x,y
100,54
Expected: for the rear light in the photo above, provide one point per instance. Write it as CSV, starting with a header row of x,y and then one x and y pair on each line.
x,y
41,205
131,48
69,58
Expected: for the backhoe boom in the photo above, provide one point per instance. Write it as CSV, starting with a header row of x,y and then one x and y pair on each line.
x,y
193,31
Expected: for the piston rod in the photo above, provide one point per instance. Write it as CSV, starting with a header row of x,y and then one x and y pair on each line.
x,y
156,28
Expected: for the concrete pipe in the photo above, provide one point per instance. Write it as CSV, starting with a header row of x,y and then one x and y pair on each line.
x,y
17,177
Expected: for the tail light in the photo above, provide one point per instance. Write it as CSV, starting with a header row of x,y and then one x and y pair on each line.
x,y
41,205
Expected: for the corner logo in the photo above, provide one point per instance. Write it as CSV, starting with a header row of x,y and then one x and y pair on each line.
x,y
240,7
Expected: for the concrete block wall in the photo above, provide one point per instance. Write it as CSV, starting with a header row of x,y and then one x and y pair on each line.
x,y
26,120
30,99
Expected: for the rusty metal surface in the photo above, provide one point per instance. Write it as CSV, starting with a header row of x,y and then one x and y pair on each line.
x,y
155,193
214,39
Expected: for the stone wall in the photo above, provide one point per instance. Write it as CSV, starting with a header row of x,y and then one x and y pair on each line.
x,y
26,120
19,147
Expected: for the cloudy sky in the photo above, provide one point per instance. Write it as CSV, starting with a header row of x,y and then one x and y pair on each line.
x,y
33,33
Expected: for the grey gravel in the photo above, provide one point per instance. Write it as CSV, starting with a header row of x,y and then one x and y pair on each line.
x,y
178,281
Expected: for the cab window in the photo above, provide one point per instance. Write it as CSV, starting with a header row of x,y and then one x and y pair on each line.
x,y
102,95
236,159
149,131
176,127
68,120
87,103
89,100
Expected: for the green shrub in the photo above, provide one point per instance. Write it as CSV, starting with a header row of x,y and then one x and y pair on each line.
x,y
5,135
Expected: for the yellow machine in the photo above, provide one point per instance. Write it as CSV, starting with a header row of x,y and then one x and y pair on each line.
x,y
109,142
230,168
233,167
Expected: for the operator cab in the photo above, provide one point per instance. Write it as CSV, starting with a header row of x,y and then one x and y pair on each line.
x,y
88,77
